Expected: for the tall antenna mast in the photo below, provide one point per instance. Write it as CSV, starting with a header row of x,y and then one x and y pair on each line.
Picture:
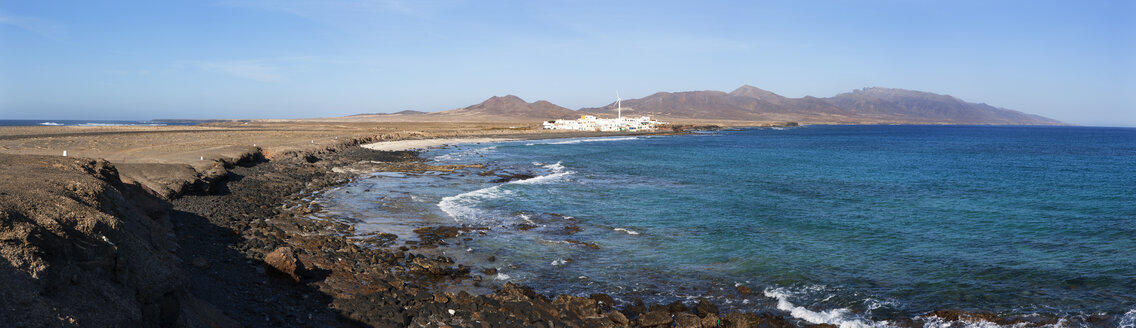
x,y
618,105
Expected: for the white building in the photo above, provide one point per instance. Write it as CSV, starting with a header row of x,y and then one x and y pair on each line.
x,y
592,123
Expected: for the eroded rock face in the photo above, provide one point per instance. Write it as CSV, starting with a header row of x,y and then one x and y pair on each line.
x,y
79,247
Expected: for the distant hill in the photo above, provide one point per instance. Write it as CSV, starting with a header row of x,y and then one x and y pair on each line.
x,y
917,106
747,103
869,105
512,107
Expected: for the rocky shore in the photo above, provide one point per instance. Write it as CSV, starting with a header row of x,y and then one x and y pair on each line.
x,y
240,248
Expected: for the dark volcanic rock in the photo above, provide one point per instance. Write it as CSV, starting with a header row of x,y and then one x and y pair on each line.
x,y
512,177
704,308
654,319
283,261
82,248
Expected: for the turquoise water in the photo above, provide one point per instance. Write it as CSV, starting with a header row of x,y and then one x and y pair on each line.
x,y
834,224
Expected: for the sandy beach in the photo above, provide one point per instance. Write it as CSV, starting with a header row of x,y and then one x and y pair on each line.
x,y
399,145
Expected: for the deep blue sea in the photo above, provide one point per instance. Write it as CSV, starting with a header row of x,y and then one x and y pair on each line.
x,y
87,123
854,225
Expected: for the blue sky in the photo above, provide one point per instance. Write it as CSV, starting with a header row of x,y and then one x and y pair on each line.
x,y
1070,60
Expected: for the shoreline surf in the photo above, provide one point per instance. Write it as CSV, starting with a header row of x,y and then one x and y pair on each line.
x,y
780,297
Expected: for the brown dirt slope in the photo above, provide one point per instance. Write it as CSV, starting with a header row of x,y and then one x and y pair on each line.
x,y
81,248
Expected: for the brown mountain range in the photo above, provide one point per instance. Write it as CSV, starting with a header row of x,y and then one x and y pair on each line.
x,y
869,105
749,104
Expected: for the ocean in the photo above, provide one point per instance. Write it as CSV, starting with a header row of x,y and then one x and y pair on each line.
x,y
89,123
853,225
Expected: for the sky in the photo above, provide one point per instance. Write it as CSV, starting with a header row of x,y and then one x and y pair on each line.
x,y
1074,61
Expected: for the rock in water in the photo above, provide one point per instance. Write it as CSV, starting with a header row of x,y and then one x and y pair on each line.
x,y
655,318
704,308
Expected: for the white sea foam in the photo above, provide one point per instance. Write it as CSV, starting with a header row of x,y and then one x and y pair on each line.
x,y
466,153
558,172
559,262
544,178
1128,320
462,208
51,124
627,231
576,141
841,317
502,276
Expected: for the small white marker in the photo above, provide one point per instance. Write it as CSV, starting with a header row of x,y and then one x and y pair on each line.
x,y
254,145
313,141
203,158
64,153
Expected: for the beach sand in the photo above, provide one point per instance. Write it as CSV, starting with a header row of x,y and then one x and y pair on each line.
x,y
399,145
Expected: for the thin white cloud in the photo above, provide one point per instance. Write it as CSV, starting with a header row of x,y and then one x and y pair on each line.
x,y
35,25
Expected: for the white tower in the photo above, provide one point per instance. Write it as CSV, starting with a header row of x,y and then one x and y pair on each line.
x,y
618,106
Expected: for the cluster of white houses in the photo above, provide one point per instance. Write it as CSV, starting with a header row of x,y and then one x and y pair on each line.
x,y
592,123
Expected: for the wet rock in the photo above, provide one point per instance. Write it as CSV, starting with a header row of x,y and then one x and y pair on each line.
x,y
704,308
604,301
737,319
381,239
581,243
711,320
635,309
744,290
434,236
525,226
676,307
502,178
618,318
490,271
687,320
571,229
654,319
584,308
515,293
283,261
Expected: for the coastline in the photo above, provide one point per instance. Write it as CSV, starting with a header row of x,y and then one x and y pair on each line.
x,y
404,145
251,225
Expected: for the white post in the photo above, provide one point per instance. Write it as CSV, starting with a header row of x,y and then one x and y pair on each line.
x,y
202,158
64,153
618,106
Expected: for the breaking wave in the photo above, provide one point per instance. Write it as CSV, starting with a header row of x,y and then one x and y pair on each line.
x,y
840,317
576,141
1128,320
462,207
463,154
627,231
